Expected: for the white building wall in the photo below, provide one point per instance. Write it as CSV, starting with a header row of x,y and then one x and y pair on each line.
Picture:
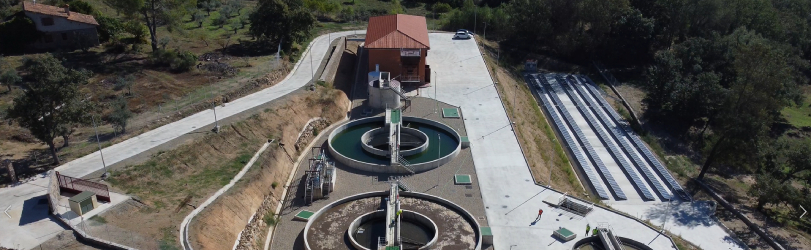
x,y
60,23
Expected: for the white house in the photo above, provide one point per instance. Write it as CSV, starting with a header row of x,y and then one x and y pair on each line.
x,y
61,28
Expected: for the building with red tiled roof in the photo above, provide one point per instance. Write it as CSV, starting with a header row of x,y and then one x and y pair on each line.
x,y
399,44
61,28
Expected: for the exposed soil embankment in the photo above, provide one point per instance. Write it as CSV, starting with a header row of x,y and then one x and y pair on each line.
x,y
218,225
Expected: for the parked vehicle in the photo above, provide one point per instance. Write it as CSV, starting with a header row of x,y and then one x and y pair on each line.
x,y
461,35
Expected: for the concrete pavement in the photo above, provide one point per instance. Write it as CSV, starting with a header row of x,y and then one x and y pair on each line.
x,y
16,196
510,196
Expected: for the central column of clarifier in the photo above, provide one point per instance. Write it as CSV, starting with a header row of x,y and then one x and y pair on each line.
x,y
393,216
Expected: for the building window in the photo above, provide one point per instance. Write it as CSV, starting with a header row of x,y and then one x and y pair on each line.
x,y
64,36
47,21
49,38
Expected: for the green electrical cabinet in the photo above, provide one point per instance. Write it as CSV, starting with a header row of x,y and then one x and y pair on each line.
x,y
83,202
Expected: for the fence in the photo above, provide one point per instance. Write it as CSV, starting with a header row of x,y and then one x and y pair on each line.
x,y
76,185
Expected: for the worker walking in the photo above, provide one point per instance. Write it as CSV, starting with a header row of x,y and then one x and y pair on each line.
x,y
540,212
588,228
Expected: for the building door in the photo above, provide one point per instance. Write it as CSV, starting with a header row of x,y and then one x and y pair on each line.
x,y
86,205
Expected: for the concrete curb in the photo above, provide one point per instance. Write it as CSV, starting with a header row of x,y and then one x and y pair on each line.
x,y
184,226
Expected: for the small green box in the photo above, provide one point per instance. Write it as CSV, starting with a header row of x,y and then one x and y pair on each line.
x,y
304,215
486,231
450,112
462,179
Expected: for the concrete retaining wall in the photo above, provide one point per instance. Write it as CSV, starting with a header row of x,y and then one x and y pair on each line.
x,y
469,217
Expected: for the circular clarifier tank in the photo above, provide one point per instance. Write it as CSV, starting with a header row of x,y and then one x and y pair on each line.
x,y
363,144
416,230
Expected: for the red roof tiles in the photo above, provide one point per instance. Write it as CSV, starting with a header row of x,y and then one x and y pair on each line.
x,y
397,31
60,12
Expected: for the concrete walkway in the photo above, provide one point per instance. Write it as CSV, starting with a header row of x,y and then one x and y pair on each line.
x,y
32,234
510,196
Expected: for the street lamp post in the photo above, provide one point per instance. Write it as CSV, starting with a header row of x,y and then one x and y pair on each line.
x,y
484,35
105,174
216,122
436,99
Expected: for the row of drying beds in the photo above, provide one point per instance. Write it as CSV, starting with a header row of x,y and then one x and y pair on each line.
x,y
571,85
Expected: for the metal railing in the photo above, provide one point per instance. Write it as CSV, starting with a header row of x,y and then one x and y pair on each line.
x,y
76,185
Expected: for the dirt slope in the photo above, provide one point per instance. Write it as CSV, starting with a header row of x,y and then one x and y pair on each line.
x,y
218,225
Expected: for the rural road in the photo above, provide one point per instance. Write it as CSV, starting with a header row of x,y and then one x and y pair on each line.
x,y
30,233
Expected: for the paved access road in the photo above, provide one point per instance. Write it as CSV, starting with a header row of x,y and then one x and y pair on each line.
x,y
38,228
511,198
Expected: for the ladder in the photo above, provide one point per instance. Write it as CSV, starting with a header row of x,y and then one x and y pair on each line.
x,y
405,164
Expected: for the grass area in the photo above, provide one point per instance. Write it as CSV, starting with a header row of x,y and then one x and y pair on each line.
x,y
548,161
98,219
157,177
800,116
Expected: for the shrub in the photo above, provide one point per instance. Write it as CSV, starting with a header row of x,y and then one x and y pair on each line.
x,y
83,7
441,7
109,28
274,185
270,218
178,61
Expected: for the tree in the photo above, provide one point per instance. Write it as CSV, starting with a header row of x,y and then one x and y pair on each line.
x,y
82,7
198,17
10,78
209,5
5,8
17,33
281,21
154,13
125,82
221,20
120,115
763,83
51,104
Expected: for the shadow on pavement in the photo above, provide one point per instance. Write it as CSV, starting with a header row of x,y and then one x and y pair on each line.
x,y
34,209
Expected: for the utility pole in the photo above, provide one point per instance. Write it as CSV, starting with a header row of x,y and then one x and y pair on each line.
x,y
105,174
475,11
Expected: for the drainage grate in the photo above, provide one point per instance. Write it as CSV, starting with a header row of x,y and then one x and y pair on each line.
x,y
468,195
469,187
